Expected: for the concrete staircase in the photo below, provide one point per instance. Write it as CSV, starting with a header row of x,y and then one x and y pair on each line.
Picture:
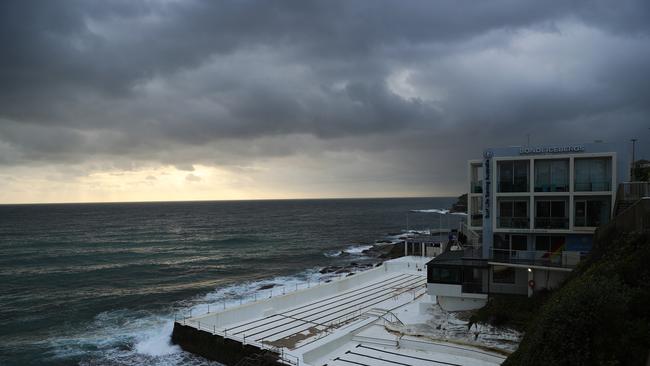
x,y
376,341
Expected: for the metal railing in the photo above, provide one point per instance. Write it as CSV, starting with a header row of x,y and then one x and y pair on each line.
x,y
473,238
635,218
589,222
509,187
630,192
537,257
595,186
513,222
551,223
477,220
552,187
284,357
473,287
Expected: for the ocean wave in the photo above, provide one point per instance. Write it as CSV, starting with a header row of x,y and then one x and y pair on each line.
x,y
135,337
353,250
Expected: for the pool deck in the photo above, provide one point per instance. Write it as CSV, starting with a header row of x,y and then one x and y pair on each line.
x,y
348,321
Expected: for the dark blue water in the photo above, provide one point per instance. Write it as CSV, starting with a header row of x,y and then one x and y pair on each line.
x,y
99,284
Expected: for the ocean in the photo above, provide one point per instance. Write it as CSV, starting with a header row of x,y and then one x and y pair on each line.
x,y
100,284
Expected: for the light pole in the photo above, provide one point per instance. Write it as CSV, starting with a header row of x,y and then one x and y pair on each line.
x,y
633,158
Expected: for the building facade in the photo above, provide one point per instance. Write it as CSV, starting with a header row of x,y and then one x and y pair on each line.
x,y
536,210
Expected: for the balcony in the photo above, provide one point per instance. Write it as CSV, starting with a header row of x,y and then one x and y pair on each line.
x,y
472,288
629,193
513,222
551,188
568,259
477,220
551,223
600,186
509,187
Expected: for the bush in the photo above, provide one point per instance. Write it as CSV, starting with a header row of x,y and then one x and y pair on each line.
x,y
601,316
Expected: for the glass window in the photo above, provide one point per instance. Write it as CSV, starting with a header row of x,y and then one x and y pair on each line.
x,y
506,209
545,243
513,214
519,242
520,209
513,176
552,175
551,214
592,211
501,274
445,275
558,209
543,209
593,174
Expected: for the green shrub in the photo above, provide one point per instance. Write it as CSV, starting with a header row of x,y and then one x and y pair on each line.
x,y
601,316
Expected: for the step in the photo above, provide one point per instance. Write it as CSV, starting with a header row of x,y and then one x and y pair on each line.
x,y
373,340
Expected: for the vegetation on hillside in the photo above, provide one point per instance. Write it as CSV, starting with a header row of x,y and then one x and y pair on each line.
x,y
600,316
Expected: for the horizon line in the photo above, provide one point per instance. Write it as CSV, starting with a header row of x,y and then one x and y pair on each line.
x,y
220,200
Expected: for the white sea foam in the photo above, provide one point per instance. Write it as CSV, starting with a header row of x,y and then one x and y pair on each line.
x,y
130,337
357,249
156,342
353,250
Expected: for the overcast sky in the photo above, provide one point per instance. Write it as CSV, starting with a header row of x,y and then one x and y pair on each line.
x,y
167,100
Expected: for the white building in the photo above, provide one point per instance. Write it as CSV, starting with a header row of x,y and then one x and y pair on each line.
x,y
535,210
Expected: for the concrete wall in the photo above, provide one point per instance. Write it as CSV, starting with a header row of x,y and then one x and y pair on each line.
x,y
548,279
450,303
451,297
270,306
451,349
217,348
520,287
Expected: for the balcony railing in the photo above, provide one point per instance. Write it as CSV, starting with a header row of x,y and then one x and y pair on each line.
x,y
514,222
593,186
473,288
509,187
551,187
537,257
477,220
587,222
632,191
551,223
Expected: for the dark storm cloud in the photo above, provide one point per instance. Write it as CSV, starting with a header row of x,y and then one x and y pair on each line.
x,y
192,82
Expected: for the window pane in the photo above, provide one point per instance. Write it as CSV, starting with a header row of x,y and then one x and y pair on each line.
x,y
505,176
542,243
521,176
558,209
557,243
521,209
559,175
580,214
593,174
503,274
542,175
519,242
506,209
543,209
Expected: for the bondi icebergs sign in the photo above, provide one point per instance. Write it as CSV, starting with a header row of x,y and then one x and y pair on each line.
x,y
551,149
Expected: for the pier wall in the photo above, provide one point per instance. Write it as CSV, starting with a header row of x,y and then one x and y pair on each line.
x,y
270,306
217,348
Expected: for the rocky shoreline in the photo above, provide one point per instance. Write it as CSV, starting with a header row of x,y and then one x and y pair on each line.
x,y
376,254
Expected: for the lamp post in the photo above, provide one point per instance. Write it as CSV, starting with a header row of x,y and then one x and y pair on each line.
x,y
633,159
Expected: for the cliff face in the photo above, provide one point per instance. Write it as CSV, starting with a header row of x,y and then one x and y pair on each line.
x,y
601,316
